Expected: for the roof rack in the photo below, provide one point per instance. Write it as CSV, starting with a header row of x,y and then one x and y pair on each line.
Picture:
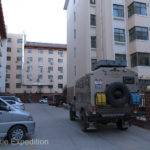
x,y
110,63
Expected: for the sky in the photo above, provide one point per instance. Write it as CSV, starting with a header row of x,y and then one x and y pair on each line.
x,y
41,20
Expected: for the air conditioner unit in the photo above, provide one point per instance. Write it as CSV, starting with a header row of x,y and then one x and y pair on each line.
x,y
51,80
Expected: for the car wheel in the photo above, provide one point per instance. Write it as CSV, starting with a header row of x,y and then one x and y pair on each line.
x,y
16,134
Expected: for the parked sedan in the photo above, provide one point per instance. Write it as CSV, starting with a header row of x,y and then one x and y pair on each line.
x,y
16,105
43,101
13,98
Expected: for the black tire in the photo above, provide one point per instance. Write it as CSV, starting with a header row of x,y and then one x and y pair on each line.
x,y
118,94
120,125
16,134
85,124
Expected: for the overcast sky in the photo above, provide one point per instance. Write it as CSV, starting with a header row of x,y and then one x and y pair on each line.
x,y
41,20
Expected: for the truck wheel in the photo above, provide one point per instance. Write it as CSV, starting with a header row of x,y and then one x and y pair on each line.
x,y
72,116
85,124
16,134
118,94
120,125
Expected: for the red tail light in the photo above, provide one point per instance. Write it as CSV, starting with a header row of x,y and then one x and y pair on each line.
x,y
94,109
135,108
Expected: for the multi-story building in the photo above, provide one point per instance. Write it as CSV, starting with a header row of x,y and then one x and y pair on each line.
x,y
110,30
3,47
35,69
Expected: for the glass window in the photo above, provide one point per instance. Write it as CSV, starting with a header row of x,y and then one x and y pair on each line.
x,y
120,57
40,51
51,60
93,41
7,85
40,59
60,86
118,10
19,50
8,49
40,68
119,35
29,68
18,85
29,76
29,86
40,76
18,67
93,62
9,40
29,50
60,52
60,60
50,86
7,76
140,33
50,69
8,67
137,8
60,77
60,69
18,76
19,40
8,58
50,77
93,20
19,58
29,59
92,1
50,51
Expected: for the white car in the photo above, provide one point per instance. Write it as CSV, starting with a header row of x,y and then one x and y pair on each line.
x,y
43,101
16,104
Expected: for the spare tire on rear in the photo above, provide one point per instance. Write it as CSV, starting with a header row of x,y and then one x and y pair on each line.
x,y
118,94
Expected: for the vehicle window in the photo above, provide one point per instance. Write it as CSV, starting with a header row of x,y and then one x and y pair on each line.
x,y
10,102
2,105
8,98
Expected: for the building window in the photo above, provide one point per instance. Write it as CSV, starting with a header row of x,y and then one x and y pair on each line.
x,y
93,62
50,86
19,40
8,76
50,51
93,41
120,57
18,85
18,76
140,59
119,35
40,68
7,85
40,76
19,58
51,61
40,59
29,86
92,2
40,51
140,33
60,60
60,52
60,69
29,77
8,49
60,86
93,20
50,77
60,77
19,50
29,50
75,34
8,67
9,40
8,58
50,69
29,68
18,67
29,59
118,10
137,8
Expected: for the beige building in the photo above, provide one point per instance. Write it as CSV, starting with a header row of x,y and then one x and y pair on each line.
x,y
109,30
3,47
35,69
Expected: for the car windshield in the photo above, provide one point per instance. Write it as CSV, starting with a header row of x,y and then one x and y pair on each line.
x,y
10,102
